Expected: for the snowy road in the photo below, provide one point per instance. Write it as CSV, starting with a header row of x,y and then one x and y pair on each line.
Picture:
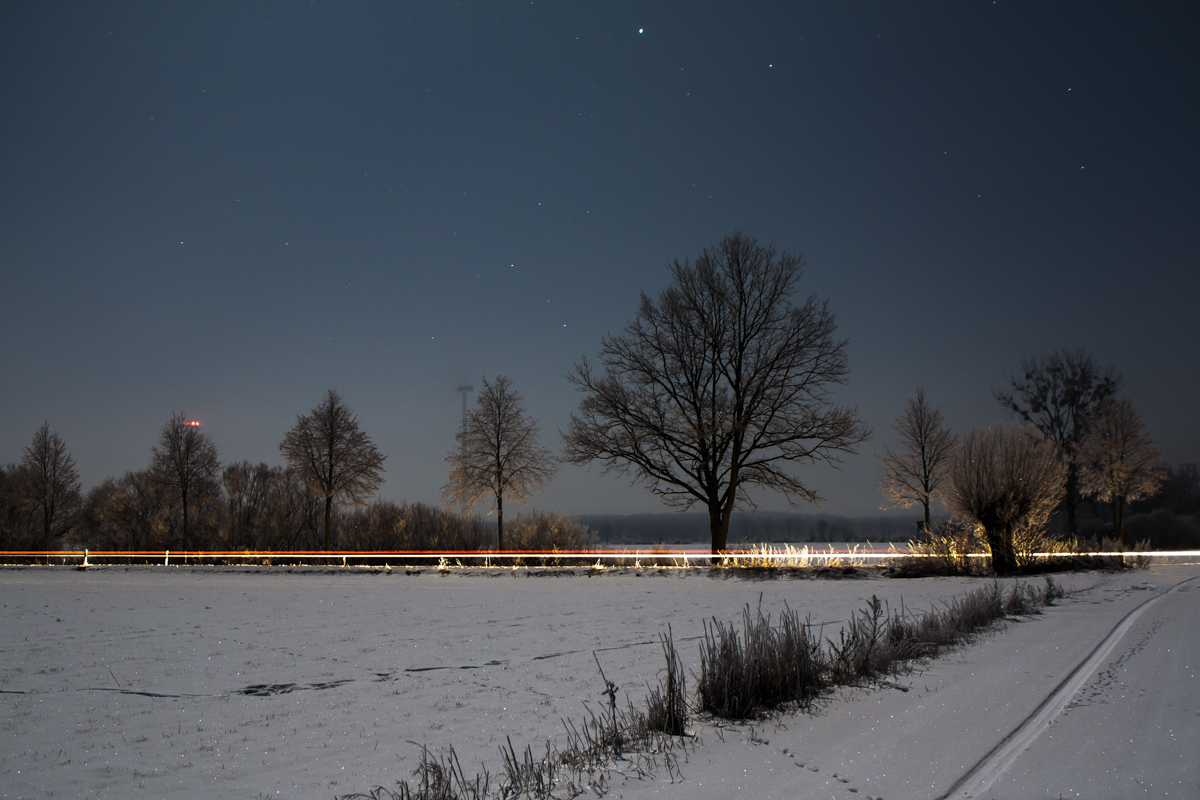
x,y
150,682
1133,727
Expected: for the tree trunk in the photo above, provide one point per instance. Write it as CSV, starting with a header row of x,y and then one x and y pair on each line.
x,y
1004,560
1069,497
718,527
47,518
499,520
183,497
925,503
328,518
1118,506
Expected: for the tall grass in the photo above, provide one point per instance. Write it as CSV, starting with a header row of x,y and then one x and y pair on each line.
x,y
645,737
769,666
742,676
435,778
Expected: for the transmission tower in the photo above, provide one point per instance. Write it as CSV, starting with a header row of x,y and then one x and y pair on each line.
x,y
464,389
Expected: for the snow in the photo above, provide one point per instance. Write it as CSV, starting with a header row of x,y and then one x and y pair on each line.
x,y
236,682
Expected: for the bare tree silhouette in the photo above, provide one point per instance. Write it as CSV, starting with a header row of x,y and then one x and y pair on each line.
x,y
333,456
49,483
913,473
719,384
497,454
185,461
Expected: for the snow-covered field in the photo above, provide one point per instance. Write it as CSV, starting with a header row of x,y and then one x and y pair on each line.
x,y
233,682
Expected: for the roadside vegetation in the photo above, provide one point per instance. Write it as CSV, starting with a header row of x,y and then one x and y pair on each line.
x,y
765,667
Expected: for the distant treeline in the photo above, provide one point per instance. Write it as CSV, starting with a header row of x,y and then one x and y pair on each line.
x,y
257,507
751,527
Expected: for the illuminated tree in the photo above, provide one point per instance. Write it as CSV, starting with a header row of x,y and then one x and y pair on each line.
x,y
913,473
1060,396
49,484
335,459
1004,482
497,454
185,461
718,385
1119,462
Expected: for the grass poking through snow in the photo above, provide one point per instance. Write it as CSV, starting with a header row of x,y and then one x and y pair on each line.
x,y
770,665
773,665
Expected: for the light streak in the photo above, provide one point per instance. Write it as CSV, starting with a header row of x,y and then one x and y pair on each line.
x,y
650,556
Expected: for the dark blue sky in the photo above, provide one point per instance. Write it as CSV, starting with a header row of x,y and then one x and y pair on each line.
x,y
225,209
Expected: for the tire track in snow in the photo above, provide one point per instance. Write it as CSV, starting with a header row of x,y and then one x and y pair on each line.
x,y
988,769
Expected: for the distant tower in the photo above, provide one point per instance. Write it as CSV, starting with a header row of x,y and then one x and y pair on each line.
x,y
464,389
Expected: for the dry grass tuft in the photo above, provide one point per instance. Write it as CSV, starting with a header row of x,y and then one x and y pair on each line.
x,y
771,666
767,667
435,778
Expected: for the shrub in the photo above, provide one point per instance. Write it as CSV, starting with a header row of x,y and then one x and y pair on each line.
x,y
947,549
546,531
385,525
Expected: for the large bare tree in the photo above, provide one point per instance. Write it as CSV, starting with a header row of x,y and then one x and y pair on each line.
x,y
186,462
719,384
913,472
1119,462
49,484
1060,396
333,456
1005,482
498,454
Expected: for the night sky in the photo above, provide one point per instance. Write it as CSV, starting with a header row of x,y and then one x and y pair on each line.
x,y
225,209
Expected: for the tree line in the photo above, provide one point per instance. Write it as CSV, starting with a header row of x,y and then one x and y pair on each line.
x,y
187,500
1075,441
721,383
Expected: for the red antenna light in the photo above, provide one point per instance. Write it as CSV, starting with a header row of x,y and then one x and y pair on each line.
x,y
193,423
